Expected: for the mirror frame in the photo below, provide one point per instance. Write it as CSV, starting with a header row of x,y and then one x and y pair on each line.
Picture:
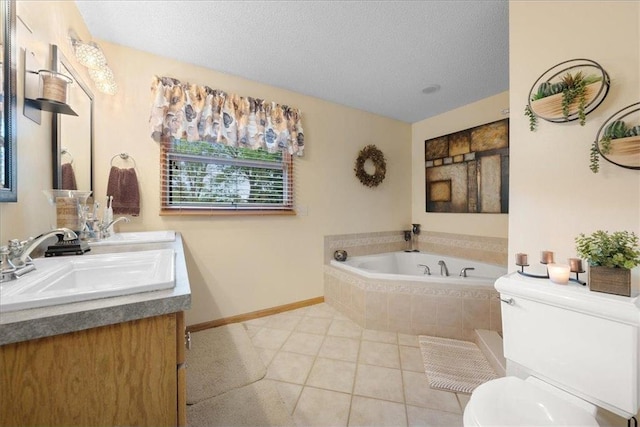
x,y
57,57
9,193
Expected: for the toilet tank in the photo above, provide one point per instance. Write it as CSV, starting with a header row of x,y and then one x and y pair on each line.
x,y
584,342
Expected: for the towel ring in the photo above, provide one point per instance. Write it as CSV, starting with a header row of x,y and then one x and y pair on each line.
x,y
125,157
63,152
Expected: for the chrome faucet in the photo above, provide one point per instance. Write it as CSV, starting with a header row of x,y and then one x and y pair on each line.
x,y
15,258
427,271
104,228
463,272
444,271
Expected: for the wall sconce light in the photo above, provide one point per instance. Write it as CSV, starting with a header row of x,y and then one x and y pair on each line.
x,y
90,55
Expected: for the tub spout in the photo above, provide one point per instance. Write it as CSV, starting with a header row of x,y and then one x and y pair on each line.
x,y
427,271
444,271
463,272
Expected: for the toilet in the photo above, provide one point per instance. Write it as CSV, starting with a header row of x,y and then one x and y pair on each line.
x,y
569,351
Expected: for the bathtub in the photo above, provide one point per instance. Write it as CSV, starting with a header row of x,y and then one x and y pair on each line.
x,y
390,292
406,266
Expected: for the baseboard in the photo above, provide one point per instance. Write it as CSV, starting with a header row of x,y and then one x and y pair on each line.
x,y
254,314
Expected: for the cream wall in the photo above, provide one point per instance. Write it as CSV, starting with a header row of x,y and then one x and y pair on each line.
x,y
554,196
484,111
236,264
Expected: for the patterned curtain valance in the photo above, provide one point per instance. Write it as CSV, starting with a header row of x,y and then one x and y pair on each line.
x,y
199,113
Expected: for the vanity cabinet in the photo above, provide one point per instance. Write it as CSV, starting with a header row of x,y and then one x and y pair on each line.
x,y
130,373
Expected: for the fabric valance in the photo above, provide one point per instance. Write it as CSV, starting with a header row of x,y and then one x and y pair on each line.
x,y
199,113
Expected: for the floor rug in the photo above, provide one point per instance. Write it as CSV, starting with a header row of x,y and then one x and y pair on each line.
x,y
257,404
221,359
454,365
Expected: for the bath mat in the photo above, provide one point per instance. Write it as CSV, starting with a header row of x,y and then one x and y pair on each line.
x,y
221,359
454,365
257,404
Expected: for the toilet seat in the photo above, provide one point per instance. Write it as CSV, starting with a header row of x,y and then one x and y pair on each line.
x,y
511,401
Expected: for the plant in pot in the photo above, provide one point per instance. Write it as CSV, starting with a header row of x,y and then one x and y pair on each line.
x,y
563,98
611,258
616,131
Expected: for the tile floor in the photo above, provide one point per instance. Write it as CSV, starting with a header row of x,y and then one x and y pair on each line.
x,y
331,372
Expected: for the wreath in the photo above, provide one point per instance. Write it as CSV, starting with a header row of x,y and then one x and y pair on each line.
x,y
371,152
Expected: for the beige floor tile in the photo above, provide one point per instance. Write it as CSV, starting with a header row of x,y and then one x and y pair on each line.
x,y
379,383
380,336
314,325
320,310
340,316
290,367
419,417
251,330
288,392
379,354
340,348
298,311
408,340
284,321
368,412
345,328
411,359
330,374
417,392
266,355
303,343
322,408
271,339
260,321
463,399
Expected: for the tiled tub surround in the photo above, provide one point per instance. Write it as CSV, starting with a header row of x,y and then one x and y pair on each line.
x,y
413,307
492,250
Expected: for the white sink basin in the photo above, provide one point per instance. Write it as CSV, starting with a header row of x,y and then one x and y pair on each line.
x,y
137,237
61,280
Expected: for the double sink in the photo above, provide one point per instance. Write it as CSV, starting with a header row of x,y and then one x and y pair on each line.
x,y
61,280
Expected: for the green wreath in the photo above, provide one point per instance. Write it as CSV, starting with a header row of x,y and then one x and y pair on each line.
x,y
371,152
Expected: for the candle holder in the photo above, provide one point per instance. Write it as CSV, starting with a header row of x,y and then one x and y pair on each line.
x,y
547,258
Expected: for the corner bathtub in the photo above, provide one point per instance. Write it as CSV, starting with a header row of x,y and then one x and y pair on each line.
x,y
390,292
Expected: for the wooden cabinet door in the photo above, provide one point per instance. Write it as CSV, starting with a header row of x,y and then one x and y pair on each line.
x,y
123,374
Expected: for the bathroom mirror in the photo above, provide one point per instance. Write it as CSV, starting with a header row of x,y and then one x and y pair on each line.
x,y
72,136
8,155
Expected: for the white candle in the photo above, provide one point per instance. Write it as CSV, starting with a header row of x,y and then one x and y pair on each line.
x,y
559,273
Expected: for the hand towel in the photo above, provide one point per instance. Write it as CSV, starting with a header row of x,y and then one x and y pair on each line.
x,y
123,186
68,177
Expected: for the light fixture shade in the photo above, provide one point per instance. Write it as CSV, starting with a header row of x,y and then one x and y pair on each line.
x,y
109,87
90,55
101,74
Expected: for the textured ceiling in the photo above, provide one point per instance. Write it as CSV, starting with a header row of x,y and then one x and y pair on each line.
x,y
376,56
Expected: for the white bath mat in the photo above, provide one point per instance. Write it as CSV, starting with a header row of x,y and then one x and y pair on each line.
x,y
454,365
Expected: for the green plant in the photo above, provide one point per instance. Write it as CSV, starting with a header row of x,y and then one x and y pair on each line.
x,y
572,87
618,249
616,129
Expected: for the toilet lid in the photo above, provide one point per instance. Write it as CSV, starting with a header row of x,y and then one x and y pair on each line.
x,y
510,401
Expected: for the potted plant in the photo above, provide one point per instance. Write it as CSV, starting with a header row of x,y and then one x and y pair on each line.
x,y
610,258
570,95
625,138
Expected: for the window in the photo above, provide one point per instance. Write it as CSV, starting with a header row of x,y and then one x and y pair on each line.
x,y
212,177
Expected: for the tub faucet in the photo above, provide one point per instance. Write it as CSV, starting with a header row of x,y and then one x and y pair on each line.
x,y
427,271
444,271
463,272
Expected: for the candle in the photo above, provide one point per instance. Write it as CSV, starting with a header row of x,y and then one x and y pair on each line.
x,y
546,257
559,273
576,265
521,259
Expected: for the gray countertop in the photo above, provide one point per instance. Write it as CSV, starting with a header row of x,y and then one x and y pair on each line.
x,y
35,323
